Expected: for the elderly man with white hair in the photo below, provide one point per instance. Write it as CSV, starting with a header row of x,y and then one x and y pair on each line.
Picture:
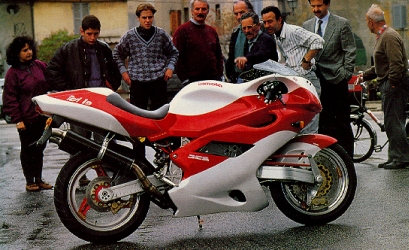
x,y
390,70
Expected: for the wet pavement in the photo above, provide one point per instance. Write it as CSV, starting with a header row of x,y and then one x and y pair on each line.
x,y
377,219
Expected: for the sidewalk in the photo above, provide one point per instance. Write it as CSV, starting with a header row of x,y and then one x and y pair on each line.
x,y
374,105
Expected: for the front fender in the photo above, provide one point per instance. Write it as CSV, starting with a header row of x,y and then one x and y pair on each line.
x,y
292,161
305,144
316,140
297,150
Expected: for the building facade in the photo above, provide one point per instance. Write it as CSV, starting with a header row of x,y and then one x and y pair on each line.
x,y
40,18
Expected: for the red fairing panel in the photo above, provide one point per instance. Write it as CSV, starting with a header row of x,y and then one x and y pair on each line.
x,y
262,121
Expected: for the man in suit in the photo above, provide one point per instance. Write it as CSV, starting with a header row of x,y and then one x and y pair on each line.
x,y
259,46
335,65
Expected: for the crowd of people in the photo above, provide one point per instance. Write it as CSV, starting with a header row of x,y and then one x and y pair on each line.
x,y
322,50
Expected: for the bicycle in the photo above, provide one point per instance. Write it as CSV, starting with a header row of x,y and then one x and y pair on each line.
x,y
365,136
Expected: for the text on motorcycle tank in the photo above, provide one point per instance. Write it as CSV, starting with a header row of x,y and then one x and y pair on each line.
x,y
211,84
78,100
198,157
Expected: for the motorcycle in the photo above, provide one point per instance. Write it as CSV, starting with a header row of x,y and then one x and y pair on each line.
x,y
218,147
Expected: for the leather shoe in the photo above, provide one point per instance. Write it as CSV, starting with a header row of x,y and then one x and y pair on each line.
x,y
382,165
396,165
32,187
44,185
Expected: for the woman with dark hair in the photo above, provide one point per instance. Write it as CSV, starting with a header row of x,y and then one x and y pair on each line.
x,y
24,80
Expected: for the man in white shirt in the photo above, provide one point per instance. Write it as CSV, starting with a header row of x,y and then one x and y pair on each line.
x,y
298,48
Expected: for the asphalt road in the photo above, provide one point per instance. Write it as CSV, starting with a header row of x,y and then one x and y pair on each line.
x,y
377,219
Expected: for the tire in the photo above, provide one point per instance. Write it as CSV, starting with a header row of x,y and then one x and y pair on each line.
x,y
407,130
364,139
83,215
334,195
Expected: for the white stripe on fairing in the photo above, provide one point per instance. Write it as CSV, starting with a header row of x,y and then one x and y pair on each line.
x,y
207,191
81,113
206,96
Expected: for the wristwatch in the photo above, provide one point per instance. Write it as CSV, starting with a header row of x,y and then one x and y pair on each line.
x,y
305,61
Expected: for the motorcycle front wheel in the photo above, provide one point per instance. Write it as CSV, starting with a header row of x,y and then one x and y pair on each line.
x,y
76,199
333,196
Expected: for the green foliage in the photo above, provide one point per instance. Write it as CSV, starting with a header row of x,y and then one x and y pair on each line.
x,y
50,44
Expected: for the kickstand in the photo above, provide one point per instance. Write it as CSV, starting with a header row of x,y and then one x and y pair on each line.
x,y
200,221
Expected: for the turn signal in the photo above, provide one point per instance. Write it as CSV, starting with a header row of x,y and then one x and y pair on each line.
x,y
299,124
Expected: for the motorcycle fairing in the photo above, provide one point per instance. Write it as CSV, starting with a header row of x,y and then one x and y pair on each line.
x,y
209,191
203,107
206,96
186,157
197,105
81,105
89,106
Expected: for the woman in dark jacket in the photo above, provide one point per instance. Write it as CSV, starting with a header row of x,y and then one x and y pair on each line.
x,y
24,80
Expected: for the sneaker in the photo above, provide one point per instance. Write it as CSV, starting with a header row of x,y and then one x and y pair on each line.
x,y
84,181
32,187
44,185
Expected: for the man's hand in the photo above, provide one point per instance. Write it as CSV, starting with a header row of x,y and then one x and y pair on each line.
x,y
359,79
126,78
168,74
240,62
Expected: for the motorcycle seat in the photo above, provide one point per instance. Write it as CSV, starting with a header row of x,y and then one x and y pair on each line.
x,y
116,100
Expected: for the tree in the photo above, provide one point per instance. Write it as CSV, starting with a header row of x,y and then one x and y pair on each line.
x,y
50,44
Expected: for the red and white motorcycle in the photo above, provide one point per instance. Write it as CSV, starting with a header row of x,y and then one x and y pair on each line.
x,y
218,146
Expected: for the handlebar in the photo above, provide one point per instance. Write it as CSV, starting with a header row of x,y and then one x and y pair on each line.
x,y
272,90
362,84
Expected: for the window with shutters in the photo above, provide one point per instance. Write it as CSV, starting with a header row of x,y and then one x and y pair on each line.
x,y
218,12
80,10
175,20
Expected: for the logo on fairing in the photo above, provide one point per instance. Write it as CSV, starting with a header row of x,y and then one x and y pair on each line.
x,y
198,157
211,84
79,100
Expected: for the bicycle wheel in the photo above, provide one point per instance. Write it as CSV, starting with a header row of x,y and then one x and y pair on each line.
x,y
407,130
364,139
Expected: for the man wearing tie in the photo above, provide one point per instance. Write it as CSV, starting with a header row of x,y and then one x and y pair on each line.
x,y
335,65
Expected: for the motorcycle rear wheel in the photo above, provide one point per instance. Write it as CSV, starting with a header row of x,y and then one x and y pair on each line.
x,y
83,214
334,196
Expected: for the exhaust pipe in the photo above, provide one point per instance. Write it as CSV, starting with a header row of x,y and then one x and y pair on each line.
x,y
72,143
